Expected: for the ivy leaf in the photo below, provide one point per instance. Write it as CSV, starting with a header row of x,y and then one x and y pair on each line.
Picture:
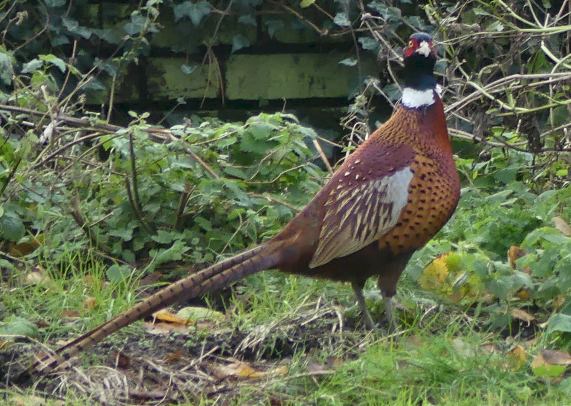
x,y
6,68
188,69
248,19
274,26
369,44
239,41
348,61
54,3
342,20
195,11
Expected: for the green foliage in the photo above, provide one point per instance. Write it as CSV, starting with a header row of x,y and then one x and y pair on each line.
x,y
206,193
499,214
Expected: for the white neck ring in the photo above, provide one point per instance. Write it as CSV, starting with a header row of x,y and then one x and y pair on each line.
x,y
413,98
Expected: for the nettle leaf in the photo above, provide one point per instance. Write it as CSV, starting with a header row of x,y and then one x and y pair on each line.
x,y
32,66
19,326
195,11
261,131
73,26
559,322
136,25
174,253
118,273
236,172
249,143
11,227
54,60
165,237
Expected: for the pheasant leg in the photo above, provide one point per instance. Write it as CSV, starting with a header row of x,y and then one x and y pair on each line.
x,y
367,319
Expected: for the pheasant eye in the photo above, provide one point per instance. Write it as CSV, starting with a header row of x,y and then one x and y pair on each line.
x,y
410,43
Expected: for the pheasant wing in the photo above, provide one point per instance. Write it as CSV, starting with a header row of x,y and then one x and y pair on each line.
x,y
359,214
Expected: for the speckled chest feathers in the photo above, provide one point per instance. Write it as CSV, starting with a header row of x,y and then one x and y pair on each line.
x,y
393,193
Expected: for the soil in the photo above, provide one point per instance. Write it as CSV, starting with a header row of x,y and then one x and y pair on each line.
x,y
146,367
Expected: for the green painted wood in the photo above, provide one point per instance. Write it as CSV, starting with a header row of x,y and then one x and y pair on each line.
x,y
166,80
298,76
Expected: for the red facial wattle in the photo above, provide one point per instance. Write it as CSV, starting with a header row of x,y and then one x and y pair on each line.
x,y
414,45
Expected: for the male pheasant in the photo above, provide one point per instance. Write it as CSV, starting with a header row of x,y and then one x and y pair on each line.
x,y
384,202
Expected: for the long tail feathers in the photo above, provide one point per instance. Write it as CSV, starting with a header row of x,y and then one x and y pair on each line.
x,y
217,276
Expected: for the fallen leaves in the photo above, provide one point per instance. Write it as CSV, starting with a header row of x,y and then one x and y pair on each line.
x,y
517,357
550,363
37,277
244,370
168,317
165,321
522,315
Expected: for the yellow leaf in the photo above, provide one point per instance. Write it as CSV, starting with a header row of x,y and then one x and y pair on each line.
x,y
306,3
558,302
246,371
435,274
89,303
37,277
523,294
166,316
517,357
514,253
161,328
24,247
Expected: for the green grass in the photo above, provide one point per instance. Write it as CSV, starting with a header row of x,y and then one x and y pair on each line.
x,y
440,357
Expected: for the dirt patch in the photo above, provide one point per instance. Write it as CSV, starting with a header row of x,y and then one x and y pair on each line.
x,y
173,368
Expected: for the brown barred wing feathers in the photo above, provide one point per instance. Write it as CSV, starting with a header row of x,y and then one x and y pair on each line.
x,y
364,204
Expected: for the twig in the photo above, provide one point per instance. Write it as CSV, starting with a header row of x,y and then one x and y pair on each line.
x,y
322,156
10,176
135,208
134,196
182,201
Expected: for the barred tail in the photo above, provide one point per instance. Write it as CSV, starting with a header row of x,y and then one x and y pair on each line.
x,y
217,276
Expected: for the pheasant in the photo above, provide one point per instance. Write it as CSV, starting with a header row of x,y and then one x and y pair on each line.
x,y
387,200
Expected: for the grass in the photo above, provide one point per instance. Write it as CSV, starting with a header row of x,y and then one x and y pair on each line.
x,y
441,356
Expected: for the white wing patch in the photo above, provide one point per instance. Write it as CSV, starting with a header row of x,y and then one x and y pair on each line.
x,y
356,216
